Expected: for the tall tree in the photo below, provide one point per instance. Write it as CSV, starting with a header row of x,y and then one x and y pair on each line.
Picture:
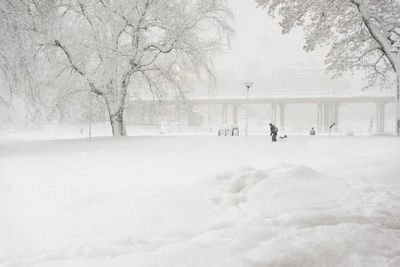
x,y
19,27
116,46
364,34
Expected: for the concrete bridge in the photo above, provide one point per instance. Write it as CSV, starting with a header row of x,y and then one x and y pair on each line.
x,y
327,105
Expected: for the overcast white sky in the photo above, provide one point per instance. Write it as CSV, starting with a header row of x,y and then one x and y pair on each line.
x,y
259,46
259,39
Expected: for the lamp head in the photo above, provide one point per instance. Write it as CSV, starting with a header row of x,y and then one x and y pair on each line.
x,y
249,84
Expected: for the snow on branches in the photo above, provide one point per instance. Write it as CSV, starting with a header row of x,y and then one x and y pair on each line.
x,y
117,46
120,45
363,34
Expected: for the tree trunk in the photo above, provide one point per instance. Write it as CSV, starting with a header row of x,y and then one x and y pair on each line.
x,y
387,47
116,117
398,98
117,123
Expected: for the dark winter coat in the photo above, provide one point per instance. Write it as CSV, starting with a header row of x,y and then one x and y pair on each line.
x,y
273,129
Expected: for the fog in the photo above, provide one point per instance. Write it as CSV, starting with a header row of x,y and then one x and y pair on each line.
x,y
195,133
260,52
257,51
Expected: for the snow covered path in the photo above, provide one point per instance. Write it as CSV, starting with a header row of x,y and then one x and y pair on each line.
x,y
200,201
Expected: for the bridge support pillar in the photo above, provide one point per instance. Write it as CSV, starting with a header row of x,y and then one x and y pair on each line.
x,y
273,114
282,116
380,118
210,115
327,116
320,117
224,113
235,109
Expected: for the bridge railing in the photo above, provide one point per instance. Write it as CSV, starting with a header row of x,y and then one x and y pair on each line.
x,y
260,93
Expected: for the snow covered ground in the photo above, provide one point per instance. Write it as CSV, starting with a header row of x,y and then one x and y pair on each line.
x,y
200,201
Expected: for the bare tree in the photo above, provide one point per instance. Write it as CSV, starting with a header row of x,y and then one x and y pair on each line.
x,y
20,24
364,34
116,46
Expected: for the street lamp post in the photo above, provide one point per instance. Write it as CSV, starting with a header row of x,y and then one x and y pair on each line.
x,y
248,85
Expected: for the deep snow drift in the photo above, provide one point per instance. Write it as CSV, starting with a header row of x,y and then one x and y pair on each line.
x,y
200,201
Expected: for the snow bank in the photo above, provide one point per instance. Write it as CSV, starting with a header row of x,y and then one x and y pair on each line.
x,y
188,202
297,216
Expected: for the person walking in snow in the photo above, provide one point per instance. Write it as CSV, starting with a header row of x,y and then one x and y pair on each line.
x,y
312,131
273,132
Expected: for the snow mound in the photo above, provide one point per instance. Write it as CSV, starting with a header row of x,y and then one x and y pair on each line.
x,y
235,188
299,216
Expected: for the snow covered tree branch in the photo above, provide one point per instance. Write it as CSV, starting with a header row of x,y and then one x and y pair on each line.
x,y
112,46
363,34
115,45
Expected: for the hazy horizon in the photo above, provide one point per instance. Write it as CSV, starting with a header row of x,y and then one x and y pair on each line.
x,y
259,48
